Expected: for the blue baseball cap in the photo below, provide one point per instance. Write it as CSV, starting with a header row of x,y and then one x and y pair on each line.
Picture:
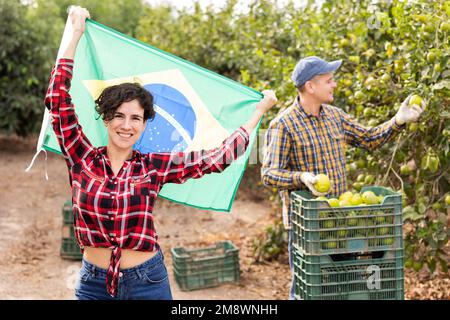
x,y
309,67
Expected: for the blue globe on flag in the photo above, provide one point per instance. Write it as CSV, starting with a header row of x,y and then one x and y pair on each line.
x,y
174,125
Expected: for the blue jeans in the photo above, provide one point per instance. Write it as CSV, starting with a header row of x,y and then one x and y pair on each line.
x,y
147,281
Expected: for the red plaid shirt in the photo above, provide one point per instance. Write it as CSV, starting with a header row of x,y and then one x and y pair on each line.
x,y
116,211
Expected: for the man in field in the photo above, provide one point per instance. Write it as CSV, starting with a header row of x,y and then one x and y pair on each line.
x,y
310,137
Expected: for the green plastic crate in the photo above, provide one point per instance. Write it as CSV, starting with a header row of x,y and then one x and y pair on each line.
x,y
374,276
321,229
206,267
67,212
70,249
68,231
69,246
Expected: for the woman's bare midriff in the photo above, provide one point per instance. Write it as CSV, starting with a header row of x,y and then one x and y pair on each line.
x,y
100,257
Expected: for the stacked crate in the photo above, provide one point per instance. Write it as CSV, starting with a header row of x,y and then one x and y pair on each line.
x,y
346,253
69,246
205,267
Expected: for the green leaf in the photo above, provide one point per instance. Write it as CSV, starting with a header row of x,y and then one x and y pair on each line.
x,y
421,208
441,85
431,264
443,264
409,213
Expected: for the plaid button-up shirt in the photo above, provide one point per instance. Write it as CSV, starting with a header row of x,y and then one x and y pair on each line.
x,y
297,142
116,211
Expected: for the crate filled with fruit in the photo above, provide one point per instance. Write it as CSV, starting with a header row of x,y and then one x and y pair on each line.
x,y
368,220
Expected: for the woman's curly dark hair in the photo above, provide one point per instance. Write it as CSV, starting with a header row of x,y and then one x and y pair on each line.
x,y
112,97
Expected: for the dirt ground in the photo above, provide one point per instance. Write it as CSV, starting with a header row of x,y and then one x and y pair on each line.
x,y
31,225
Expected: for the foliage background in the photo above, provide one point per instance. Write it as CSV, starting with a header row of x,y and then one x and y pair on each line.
x,y
390,49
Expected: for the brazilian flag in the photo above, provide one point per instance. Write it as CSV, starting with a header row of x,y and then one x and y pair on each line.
x,y
196,109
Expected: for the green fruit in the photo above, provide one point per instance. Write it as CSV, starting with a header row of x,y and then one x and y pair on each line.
x,y
344,43
373,122
322,198
344,203
323,183
362,232
380,219
413,126
383,231
352,222
356,200
354,59
447,200
329,224
360,177
428,27
361,164
433,164
408,264
347,82
364,213
369,198
341,222
437,67
398,66
368,112
342,233
346,196
405,170
431,57
420,17
385,78
445,26
371,232
333,202
323,215
359,95
369,179
436,206
331,245
358,186
415,99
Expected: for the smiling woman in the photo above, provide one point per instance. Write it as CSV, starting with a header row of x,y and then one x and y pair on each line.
x,y
114,188
124,129
125,109
112,97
